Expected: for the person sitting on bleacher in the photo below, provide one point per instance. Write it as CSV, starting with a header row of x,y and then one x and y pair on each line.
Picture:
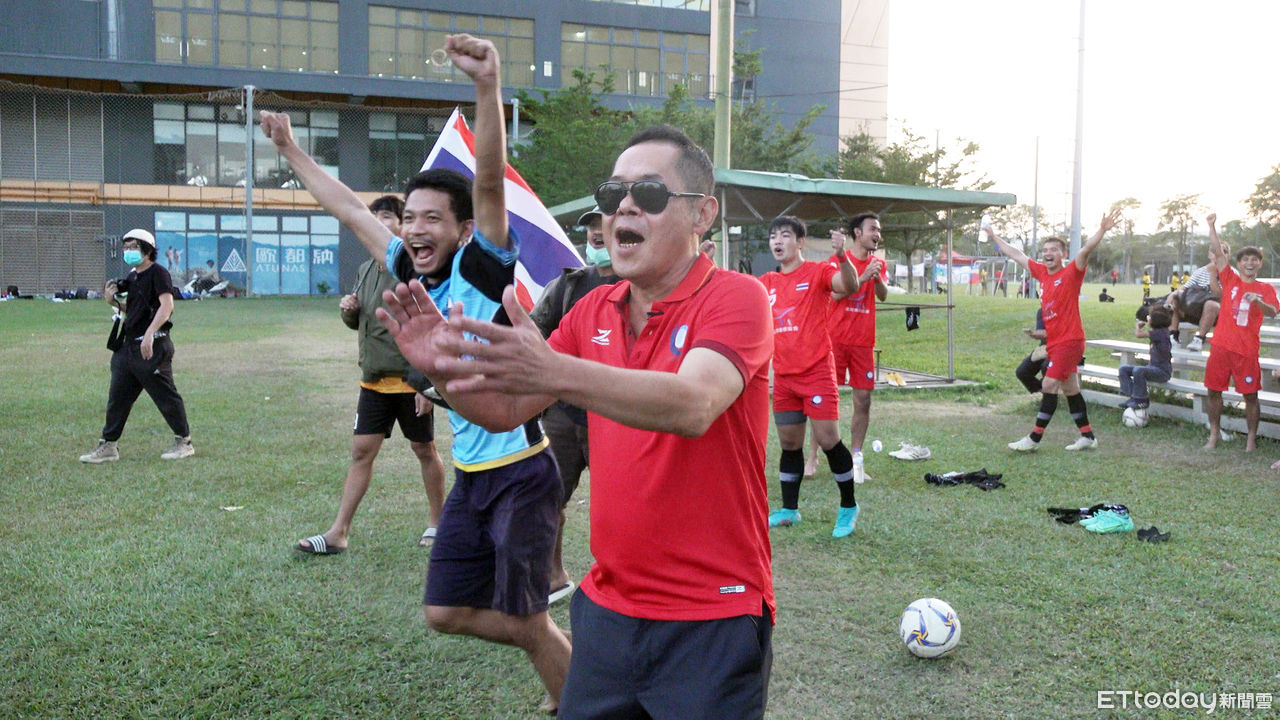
x,y
1134,378
1237,335
1194,302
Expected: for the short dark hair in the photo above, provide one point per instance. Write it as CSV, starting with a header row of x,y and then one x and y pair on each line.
x,y
694,165
790,222
1160,317
1055,239
855,222
450,182
389,203
1248,250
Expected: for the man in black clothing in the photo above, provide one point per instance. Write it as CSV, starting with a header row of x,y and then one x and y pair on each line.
x,y
143,359
565,424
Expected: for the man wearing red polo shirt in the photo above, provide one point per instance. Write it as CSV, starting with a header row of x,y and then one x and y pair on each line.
x,y
671,365
1233,356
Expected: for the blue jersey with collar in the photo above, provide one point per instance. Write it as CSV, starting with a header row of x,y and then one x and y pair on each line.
x,y
479,272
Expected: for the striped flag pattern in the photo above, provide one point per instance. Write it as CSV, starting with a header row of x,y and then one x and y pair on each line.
x,y
544,248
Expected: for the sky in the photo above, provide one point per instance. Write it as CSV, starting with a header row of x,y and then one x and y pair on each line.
x,y
1179,97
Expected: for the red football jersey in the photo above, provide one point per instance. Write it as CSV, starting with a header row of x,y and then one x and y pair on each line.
x,y
1227,333
801,303
853,319
1060,301
679,526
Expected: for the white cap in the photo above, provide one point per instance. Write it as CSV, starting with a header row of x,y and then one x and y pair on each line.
x,y
142,236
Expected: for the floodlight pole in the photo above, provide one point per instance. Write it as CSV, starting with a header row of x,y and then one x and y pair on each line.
x,y
248,188
1077,174
722,28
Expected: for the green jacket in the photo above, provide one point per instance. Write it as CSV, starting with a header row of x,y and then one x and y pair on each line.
x,y
379,356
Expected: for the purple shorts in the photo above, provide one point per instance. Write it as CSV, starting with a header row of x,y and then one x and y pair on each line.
x,y
493,545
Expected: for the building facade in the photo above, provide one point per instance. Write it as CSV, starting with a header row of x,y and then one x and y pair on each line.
x,y
136,113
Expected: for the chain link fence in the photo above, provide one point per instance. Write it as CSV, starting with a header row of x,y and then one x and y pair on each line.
x,y
78,169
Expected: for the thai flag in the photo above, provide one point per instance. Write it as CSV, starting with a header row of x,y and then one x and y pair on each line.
x,y
544,248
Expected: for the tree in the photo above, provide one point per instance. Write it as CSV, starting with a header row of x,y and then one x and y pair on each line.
x,y
757,140
575,140
1178,215
911,161
1264,203
1127,206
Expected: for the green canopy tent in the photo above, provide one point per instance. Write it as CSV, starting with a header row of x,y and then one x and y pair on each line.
x,y
751,196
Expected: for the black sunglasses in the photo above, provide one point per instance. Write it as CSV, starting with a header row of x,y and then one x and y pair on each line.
x,y
650,196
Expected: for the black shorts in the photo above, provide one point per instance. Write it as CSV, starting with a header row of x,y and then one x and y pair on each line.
x,y
569,445
493,545
625,667
377,413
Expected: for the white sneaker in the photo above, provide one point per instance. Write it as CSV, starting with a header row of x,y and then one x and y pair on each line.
x,y
105,452
1026,444
1083,443
911,452
182,448
1197,344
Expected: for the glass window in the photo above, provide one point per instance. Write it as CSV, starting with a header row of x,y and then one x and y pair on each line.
x,y
297,35
233,40
640,67
324,118
168,111
202,222
168,37
172,221
401,42
169,132
325,11
264,39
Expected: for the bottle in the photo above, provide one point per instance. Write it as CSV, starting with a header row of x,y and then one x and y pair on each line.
x,y
859,474
1242,312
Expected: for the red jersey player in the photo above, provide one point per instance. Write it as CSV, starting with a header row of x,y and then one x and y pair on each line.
x,y
1233,356
804,378
853,323
1060,283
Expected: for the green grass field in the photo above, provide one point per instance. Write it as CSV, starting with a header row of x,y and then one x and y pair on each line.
x,y
127,590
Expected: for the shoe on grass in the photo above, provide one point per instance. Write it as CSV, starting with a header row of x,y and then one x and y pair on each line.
x,y
911,452
846,520
1026,444
105,452
182,448
1083,443
784,517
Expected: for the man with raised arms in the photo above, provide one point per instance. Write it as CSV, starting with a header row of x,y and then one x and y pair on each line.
x,y
491,559
1060,281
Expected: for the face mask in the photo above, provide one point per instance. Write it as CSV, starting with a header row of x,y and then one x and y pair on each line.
x,y
133,258
598,256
